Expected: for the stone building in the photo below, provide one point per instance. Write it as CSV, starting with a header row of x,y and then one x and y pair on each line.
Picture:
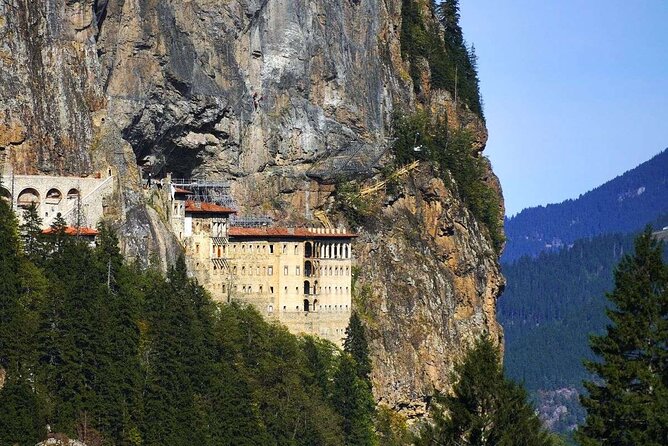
x,y
81,201
301,277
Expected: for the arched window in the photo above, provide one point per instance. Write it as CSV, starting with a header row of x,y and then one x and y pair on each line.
x,y
307,287
307,305
308,250
5,195
27,197
53,197
73,194
308,268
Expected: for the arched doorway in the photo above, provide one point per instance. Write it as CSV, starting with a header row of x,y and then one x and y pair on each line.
x,y
28,197
307,287
307,305
308,250
308,268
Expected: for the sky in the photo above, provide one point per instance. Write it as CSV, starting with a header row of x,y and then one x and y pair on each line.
x,y
575,91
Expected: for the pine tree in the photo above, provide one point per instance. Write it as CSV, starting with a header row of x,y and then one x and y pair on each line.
x,y
10,284
352,399
627,402
31,230
484,408
356,344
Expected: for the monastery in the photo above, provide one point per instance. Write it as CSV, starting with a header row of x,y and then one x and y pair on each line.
x,y
300,277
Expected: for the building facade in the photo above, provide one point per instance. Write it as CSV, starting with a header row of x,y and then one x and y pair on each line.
x,y
301,277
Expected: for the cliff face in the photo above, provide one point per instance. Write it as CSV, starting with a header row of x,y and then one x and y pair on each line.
x,y
283,96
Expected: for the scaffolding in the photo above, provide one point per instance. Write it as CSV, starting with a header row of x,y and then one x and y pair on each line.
x,y
207,191
250,221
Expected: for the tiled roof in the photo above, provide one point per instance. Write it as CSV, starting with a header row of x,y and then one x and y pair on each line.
x,y
71,230
207,208
287,233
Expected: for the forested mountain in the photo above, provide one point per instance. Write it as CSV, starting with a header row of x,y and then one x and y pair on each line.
x,y
551,304
622,205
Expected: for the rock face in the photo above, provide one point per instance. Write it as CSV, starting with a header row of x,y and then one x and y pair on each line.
x,y
428,287
282,96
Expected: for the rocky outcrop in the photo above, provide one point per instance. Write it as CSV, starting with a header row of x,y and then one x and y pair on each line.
x,y
285,97
427,288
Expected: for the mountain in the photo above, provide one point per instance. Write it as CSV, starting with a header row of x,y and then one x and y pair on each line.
x,y
295,103
551,304
623,204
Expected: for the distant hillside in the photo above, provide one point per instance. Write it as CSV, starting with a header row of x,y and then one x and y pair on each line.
x,y
622,205
550,306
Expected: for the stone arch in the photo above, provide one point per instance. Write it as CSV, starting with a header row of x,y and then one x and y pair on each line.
x,y
53,196
5,195
73,193
27,197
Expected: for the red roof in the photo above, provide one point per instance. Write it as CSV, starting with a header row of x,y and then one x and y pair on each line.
x,y
71,230
286,233
207,208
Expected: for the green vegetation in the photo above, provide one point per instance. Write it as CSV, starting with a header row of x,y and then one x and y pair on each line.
x,y
484,408
627,401
111,354
419,136
453,66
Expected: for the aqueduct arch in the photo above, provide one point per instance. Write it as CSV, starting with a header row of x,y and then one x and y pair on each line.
x,y
28,197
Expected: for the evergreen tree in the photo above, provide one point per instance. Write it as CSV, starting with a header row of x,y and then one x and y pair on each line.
x,y
10,283
353,400
627,403
31,230
19,420
484,407
356,344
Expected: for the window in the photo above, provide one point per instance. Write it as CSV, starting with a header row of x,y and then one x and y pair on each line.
x,y
296,249
286,290
257,271
197,248
285,249
270,270
261,289
297,271
271,249
223,287
243,270
285,270
271,289
234,271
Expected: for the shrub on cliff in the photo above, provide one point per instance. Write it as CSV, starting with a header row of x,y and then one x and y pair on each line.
x,y
420,136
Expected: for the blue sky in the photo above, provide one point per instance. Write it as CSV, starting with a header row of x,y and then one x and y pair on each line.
x,y
575,91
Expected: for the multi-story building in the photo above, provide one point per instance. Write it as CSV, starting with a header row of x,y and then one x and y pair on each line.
x,y
301,277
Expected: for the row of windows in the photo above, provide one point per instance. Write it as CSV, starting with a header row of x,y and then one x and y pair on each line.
x,y
319,308
338,290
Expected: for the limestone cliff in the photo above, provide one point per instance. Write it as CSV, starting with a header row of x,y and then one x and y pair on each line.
x,y
283,96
